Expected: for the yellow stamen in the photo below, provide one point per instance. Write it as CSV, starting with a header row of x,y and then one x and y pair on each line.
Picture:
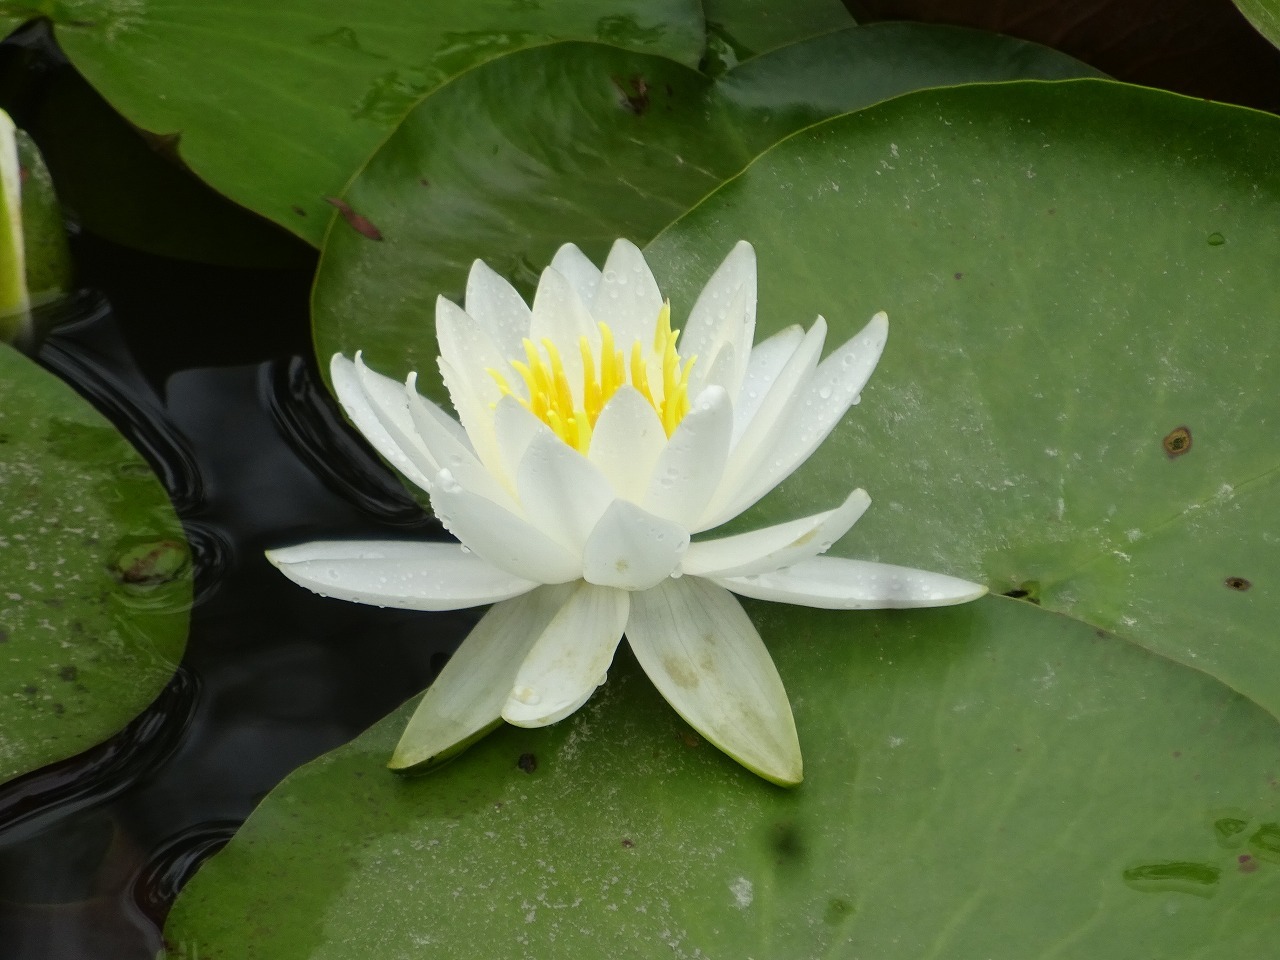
x,y
550,396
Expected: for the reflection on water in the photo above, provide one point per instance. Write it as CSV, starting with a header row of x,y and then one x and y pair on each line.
x,y
242,433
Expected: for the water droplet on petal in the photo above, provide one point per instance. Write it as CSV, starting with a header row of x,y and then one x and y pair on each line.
x,y
825,391
527,696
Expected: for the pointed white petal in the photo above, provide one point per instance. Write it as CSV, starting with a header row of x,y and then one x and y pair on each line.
x,y
562,493
705,657
411,575
499,536
560,316
628,299
767,549
725,313
763,367
758,438
835,583
632,549
627,440
824,399
514,428
569,659
494,303
689,469
451,449
380,414
465,701
582,274
467,354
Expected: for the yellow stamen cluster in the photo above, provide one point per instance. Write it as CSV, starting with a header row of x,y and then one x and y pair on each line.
x,y
552,399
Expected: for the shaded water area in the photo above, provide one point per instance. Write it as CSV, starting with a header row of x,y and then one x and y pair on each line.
x,y
208,371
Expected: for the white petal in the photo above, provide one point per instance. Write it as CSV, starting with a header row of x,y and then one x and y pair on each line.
x,y
632,549
372,412
835,583
757,439
628,299
562,493
501,537
689,469
765,364
450,448
514,427
465,701
705,657
582,274
410,575
725,313
467,353
767,549
824,399
494,303
627,440
569,660
560,316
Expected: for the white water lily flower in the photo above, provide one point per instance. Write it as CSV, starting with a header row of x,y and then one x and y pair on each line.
x,y
590,449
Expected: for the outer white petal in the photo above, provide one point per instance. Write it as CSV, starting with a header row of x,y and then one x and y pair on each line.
x,y
581,273
570,658
497,535
396,573
514,428
494,303
825,398
627,440
725,313
371,413
465,702
562,493
705,657
767,360
767,549
559,315
628,299
689,469
632,549
760,435
835,583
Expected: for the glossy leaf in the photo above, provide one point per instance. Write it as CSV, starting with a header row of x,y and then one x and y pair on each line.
x,y
276,107
96,574
1263,14
980,779
588,143
1074,398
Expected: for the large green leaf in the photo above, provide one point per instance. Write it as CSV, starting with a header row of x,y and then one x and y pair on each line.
x,y
1073,273
95,572
277,104
986,781
1263,14
587,143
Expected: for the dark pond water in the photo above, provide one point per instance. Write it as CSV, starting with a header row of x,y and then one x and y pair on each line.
x,y
208,371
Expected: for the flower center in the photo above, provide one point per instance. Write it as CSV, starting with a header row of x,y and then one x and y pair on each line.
x,y
661,377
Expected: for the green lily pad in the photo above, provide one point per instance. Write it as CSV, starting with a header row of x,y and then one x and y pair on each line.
x,y
1074,401
96,574
277,106
981,779
1263,14
637,141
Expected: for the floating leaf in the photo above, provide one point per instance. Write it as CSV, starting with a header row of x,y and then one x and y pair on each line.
x,y
277,106
637,140
978,777
95,571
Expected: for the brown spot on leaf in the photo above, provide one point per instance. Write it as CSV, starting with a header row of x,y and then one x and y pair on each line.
x,y
527,762
635,93
299,211
1177,442
359,223
628,842
1237,583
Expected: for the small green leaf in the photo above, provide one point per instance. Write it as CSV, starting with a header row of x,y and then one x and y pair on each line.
x,y
95,570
